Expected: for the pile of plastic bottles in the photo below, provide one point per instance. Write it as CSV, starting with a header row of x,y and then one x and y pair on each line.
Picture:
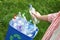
x,y
22,25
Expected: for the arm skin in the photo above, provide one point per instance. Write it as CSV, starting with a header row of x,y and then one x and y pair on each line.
x,y
41,17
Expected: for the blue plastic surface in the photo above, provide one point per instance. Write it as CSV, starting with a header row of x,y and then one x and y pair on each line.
x,y
13,34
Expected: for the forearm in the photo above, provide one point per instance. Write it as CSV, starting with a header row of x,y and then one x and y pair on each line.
x,y
40,17
43,17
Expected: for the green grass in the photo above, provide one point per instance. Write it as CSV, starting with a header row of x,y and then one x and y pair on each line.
x,y
9,8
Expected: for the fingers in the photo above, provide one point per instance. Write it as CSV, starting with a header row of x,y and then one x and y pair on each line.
x,y
37,15
33,16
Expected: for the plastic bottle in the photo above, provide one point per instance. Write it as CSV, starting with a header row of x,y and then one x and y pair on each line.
x,y
32,10
21,23
23,15
29,28
13,22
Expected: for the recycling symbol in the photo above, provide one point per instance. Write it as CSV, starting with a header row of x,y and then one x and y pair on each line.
x,y
15,36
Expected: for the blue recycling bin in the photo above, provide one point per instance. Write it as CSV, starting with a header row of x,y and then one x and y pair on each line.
x,y
13,34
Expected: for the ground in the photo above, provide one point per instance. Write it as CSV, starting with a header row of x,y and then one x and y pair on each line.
x,y
9,8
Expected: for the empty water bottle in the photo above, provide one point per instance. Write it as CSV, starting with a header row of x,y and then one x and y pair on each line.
x,y
32,10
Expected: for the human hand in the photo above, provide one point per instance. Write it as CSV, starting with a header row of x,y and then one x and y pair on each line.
x,y
36,14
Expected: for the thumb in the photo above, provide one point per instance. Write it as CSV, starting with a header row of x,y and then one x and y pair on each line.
x,y
37,14
34,14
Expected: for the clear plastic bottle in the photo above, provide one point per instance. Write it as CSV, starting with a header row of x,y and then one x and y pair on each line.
x,y
32,10
13,22
22,21
30,28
